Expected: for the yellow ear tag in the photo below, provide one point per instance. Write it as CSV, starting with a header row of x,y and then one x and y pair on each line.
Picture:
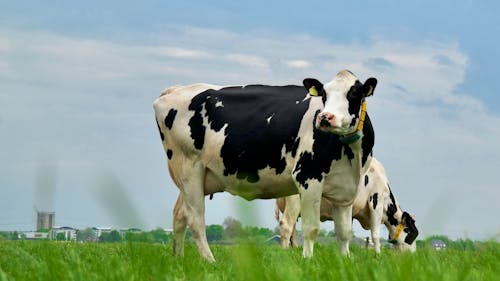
x,y
370,91
398,231
313,91
362,116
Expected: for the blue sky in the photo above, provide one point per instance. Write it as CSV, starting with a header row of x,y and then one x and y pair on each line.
x,y
77,82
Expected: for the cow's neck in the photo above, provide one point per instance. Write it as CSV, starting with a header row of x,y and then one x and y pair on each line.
x,y
361,146
367,142
357,162
362,139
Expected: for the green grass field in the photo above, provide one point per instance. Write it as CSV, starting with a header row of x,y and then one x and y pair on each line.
x,y
49,260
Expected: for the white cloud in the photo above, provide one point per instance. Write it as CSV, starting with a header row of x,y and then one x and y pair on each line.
x,y
248,60
298,63
95,98
176,52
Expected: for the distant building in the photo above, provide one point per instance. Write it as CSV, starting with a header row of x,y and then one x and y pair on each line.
x,y
123,231
438,244
100,230
69,233
274,239
45,220
34,235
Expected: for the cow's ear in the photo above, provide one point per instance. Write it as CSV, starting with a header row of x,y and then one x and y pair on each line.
x,y
369,86
313,86
406,218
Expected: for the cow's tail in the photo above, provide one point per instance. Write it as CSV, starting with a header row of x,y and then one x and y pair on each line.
x,y
277,211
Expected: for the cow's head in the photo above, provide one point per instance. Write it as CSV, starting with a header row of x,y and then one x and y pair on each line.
x,y
405,234
343,99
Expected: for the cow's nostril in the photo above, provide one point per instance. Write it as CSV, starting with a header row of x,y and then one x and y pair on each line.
x,y
324,122
328,116
325,119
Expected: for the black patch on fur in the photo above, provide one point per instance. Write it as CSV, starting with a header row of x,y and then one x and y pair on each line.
x,y
410,228
252,142
162,136
169,153
169,120
295,147
196,123
368,140
375,200
391,209
366,180
355,96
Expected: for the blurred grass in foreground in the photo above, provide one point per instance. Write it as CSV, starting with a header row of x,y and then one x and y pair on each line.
x,y
49,260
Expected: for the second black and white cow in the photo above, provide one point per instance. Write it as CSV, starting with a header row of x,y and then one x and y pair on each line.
x,y
375,204
265,142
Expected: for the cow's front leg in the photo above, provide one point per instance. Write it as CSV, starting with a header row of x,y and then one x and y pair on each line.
x,y
342,216
376,238
310,200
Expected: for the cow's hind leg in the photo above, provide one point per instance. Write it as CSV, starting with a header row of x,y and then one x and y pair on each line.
x,y
180,223
288,221
285,234
375,220
342,216
194,207
293,238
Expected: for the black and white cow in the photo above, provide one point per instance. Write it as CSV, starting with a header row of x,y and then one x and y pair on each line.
x,y
375,204
265,142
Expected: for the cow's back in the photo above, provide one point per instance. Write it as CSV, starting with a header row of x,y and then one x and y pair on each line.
x,y
247,137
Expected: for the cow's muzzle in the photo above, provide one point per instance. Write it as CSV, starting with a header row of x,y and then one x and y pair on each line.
x,y
326,119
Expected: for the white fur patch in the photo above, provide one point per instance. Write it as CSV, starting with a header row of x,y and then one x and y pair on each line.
x,y
336,101
269,119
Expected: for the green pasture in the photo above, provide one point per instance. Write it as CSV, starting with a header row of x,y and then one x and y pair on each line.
x,y
52,260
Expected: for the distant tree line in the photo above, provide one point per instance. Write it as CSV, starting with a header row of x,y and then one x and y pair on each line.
x,y
231,231
460,244
9,235
154,236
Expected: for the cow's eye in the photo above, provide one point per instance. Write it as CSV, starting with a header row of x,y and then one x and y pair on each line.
x,y
354,94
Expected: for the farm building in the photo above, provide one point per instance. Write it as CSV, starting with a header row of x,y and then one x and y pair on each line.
x,y
438,244
68,232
